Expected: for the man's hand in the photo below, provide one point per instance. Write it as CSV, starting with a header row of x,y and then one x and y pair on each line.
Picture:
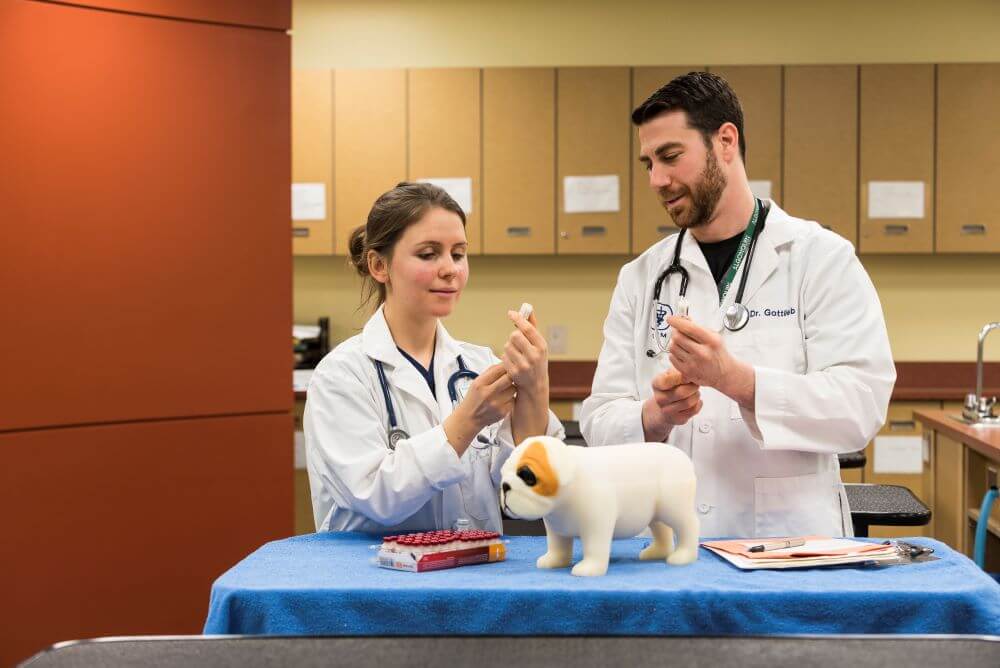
x,y
701,357
673,403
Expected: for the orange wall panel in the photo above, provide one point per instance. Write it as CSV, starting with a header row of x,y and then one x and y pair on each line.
x,y
144,197
122,529
275,14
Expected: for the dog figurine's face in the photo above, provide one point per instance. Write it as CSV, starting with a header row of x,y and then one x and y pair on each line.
x,y
534,476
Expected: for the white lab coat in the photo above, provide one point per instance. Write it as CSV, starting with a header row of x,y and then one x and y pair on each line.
x,y
357,483
824,374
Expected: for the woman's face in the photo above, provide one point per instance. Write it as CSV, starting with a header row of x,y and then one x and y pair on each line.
x,y
429,267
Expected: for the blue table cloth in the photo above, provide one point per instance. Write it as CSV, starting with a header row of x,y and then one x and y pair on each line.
x,y
327,584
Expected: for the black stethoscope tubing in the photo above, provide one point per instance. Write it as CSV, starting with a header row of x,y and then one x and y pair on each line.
x,y
676,268
397,433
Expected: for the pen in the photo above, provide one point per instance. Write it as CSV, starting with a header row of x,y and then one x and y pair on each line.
x,y
778,545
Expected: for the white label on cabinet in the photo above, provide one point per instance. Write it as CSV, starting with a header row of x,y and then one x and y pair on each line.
x,y
761,189
896,199
459,188
308,201
899,454
590,194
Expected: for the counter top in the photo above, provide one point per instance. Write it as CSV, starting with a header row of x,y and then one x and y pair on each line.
x,y
984,440
570,380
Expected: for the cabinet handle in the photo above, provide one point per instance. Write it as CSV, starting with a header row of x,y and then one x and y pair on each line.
x,y
665,229
897,425
518,231
897,229
300,231
974,229
564,235
594,230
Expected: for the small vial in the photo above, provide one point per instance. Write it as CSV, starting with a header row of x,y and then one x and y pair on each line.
x,y
683,305
462,524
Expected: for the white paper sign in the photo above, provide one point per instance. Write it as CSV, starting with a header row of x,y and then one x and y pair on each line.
x,y
590,194
896,199
308,201
899,454
761,189
300,379
459,188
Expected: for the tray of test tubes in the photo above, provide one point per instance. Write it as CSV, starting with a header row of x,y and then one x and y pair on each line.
x,y
437,550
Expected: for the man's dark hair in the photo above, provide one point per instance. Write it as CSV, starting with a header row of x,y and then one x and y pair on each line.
x,y
707,100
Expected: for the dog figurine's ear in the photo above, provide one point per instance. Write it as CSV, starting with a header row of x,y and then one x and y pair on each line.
x,y
550,463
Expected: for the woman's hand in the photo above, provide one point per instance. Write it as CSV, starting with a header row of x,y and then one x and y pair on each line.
x,y
490,398
526,359
526,355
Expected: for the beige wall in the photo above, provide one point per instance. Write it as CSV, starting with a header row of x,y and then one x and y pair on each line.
x,y
934,305
481,33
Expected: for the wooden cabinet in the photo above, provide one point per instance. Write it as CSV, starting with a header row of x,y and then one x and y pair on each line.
x,y
650,221
445,137
759,89
949,491
896,163
968,158
899,424
369,144
593,141
519,161
312,158
821,145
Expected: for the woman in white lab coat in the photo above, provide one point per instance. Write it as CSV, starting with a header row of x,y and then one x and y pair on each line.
x,y
445,465
762,411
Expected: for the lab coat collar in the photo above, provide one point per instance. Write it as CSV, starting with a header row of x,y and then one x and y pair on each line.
x,y
378,344
778,230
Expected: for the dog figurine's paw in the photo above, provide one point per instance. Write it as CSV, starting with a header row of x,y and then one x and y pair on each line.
x,y
683,557
552,560
590,567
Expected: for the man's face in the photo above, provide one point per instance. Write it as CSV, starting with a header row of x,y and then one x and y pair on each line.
x,y
683,171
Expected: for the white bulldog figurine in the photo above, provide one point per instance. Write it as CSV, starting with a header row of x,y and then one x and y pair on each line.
x,y
603,493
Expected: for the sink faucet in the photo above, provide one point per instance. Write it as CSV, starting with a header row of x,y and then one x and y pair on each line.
x,y
979,409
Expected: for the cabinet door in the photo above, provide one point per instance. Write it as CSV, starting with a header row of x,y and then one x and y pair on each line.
x,y
519,160
821,146
759,89
650,221
593,141
968,158
312,161
369,144
900,437
896,159
445,138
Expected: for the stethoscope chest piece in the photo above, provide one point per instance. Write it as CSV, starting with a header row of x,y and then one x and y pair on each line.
x,y
396,434
736,317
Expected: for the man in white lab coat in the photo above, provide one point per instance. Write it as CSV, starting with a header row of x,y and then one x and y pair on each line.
x,y
764,399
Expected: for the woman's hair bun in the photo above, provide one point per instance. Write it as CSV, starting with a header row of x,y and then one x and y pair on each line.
x,y
356,248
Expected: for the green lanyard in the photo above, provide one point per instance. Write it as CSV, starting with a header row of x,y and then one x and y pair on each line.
x,y
741,252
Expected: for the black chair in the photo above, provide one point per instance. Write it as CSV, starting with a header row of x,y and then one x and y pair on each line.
x,y
884,505
873,651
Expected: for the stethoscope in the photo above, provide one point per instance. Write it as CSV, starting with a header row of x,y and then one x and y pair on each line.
x,y
396,432
737,315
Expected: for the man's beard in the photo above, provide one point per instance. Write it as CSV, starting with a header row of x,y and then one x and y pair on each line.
x,y
704,196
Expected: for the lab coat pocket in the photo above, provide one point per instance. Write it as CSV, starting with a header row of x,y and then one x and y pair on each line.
x,y
478,493
797,506
780,348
